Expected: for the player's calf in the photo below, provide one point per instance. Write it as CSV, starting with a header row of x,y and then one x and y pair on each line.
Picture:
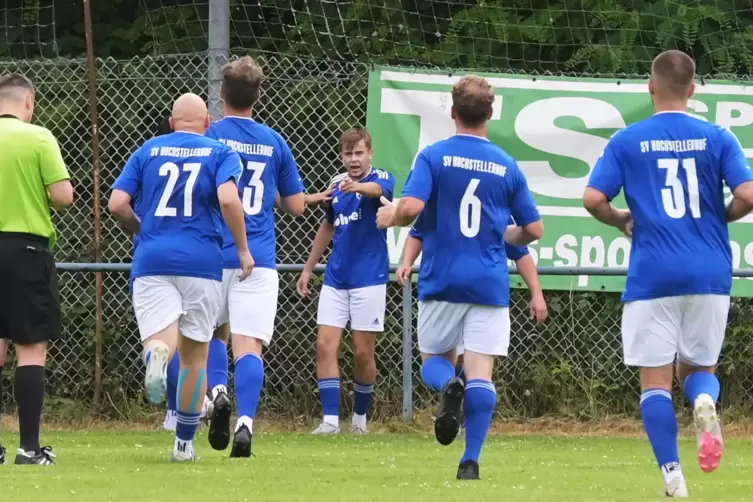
x,y
328,374
192,388
701,387
364,345
249,380
158,349
217,376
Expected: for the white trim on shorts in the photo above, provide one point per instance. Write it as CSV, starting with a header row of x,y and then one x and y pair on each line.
x,y
160,300
690,328
250,306
363,307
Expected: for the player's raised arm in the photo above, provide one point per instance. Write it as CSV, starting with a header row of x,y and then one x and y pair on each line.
x,y
604,185
523,209
126,186
416,193
737,176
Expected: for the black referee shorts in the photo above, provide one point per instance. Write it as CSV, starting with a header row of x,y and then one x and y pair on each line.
x,y
29,293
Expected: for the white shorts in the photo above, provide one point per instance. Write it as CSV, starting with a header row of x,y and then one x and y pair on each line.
x,y
363,307
250,306
159,300
443,326
691,328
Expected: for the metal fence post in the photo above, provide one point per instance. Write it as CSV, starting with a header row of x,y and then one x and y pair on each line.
x,y
219,52
408,351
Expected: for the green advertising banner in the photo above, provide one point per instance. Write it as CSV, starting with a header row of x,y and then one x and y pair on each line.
x,y
556,128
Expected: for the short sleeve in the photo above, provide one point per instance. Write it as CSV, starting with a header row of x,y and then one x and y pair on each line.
x,y
523,208
387,182
417,230
419,182
290,182
51,162
735,168
515,253
329,213
607,174
229,167
130,180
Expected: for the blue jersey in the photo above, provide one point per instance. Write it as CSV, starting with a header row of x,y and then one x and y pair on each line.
x,y
671,167
513,253
471,187
359,249
176,178
138,210
268,168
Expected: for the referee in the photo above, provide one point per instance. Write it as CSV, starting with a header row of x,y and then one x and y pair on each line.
x,y
33,178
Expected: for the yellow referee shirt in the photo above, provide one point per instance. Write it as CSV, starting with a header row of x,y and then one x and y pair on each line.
x,y
30,160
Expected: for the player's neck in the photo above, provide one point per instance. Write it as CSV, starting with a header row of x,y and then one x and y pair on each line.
x,y
244,114
11,110
670,106
481,132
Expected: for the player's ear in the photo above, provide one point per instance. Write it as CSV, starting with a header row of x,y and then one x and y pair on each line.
x,y
651,87
29,104
172,123
691,89
453,115
491,112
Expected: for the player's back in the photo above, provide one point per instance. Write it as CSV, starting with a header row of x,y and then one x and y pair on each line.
x,y
673,170
180,226
268,168
476,187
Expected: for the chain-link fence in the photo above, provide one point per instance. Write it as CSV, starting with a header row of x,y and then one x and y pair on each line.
x,y
570,367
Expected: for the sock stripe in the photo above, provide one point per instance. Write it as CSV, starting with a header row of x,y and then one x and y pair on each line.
x,y
653,393
363,389
250,354
480,384
329,385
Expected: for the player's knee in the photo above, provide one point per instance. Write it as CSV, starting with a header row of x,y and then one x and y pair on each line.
x,y
686,369
327,347
34,354
243,345
364,356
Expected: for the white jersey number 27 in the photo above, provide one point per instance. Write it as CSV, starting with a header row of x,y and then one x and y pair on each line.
x,y
673,197
470,210
172,171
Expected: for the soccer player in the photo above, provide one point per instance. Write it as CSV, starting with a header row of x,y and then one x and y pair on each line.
x,y
184,180
355,281
467,188
519,254
248,309
33,179
671,167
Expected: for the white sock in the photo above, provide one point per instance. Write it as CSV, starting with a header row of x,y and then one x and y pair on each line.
x,y
247,421
332,420
671,471
183,446
217,389
359,419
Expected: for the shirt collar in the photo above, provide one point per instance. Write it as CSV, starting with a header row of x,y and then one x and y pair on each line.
x,y
9,116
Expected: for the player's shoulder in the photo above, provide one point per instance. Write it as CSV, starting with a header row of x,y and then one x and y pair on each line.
x,y
24,131
380,174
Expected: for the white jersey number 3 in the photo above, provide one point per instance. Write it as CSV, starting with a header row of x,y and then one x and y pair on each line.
x,y
673,197
470,210
172,171
253,194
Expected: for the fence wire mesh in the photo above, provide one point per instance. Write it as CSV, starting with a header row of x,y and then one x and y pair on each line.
x,y
570,367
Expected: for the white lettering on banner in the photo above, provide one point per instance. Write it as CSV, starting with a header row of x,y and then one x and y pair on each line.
x,y
535,126
432,108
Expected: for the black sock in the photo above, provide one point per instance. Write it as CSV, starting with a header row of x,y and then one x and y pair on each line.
x,y
29,391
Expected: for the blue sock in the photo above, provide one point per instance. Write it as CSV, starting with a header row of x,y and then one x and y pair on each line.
x,y
478,408
249,378
329,393
217,364
436,372
660,422
173,370
185,430
701,382
364,393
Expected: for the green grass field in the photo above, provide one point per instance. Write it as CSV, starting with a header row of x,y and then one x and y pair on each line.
x,y
101,465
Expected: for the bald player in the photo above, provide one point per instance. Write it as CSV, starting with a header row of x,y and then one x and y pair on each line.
x,y
185,182
672,168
